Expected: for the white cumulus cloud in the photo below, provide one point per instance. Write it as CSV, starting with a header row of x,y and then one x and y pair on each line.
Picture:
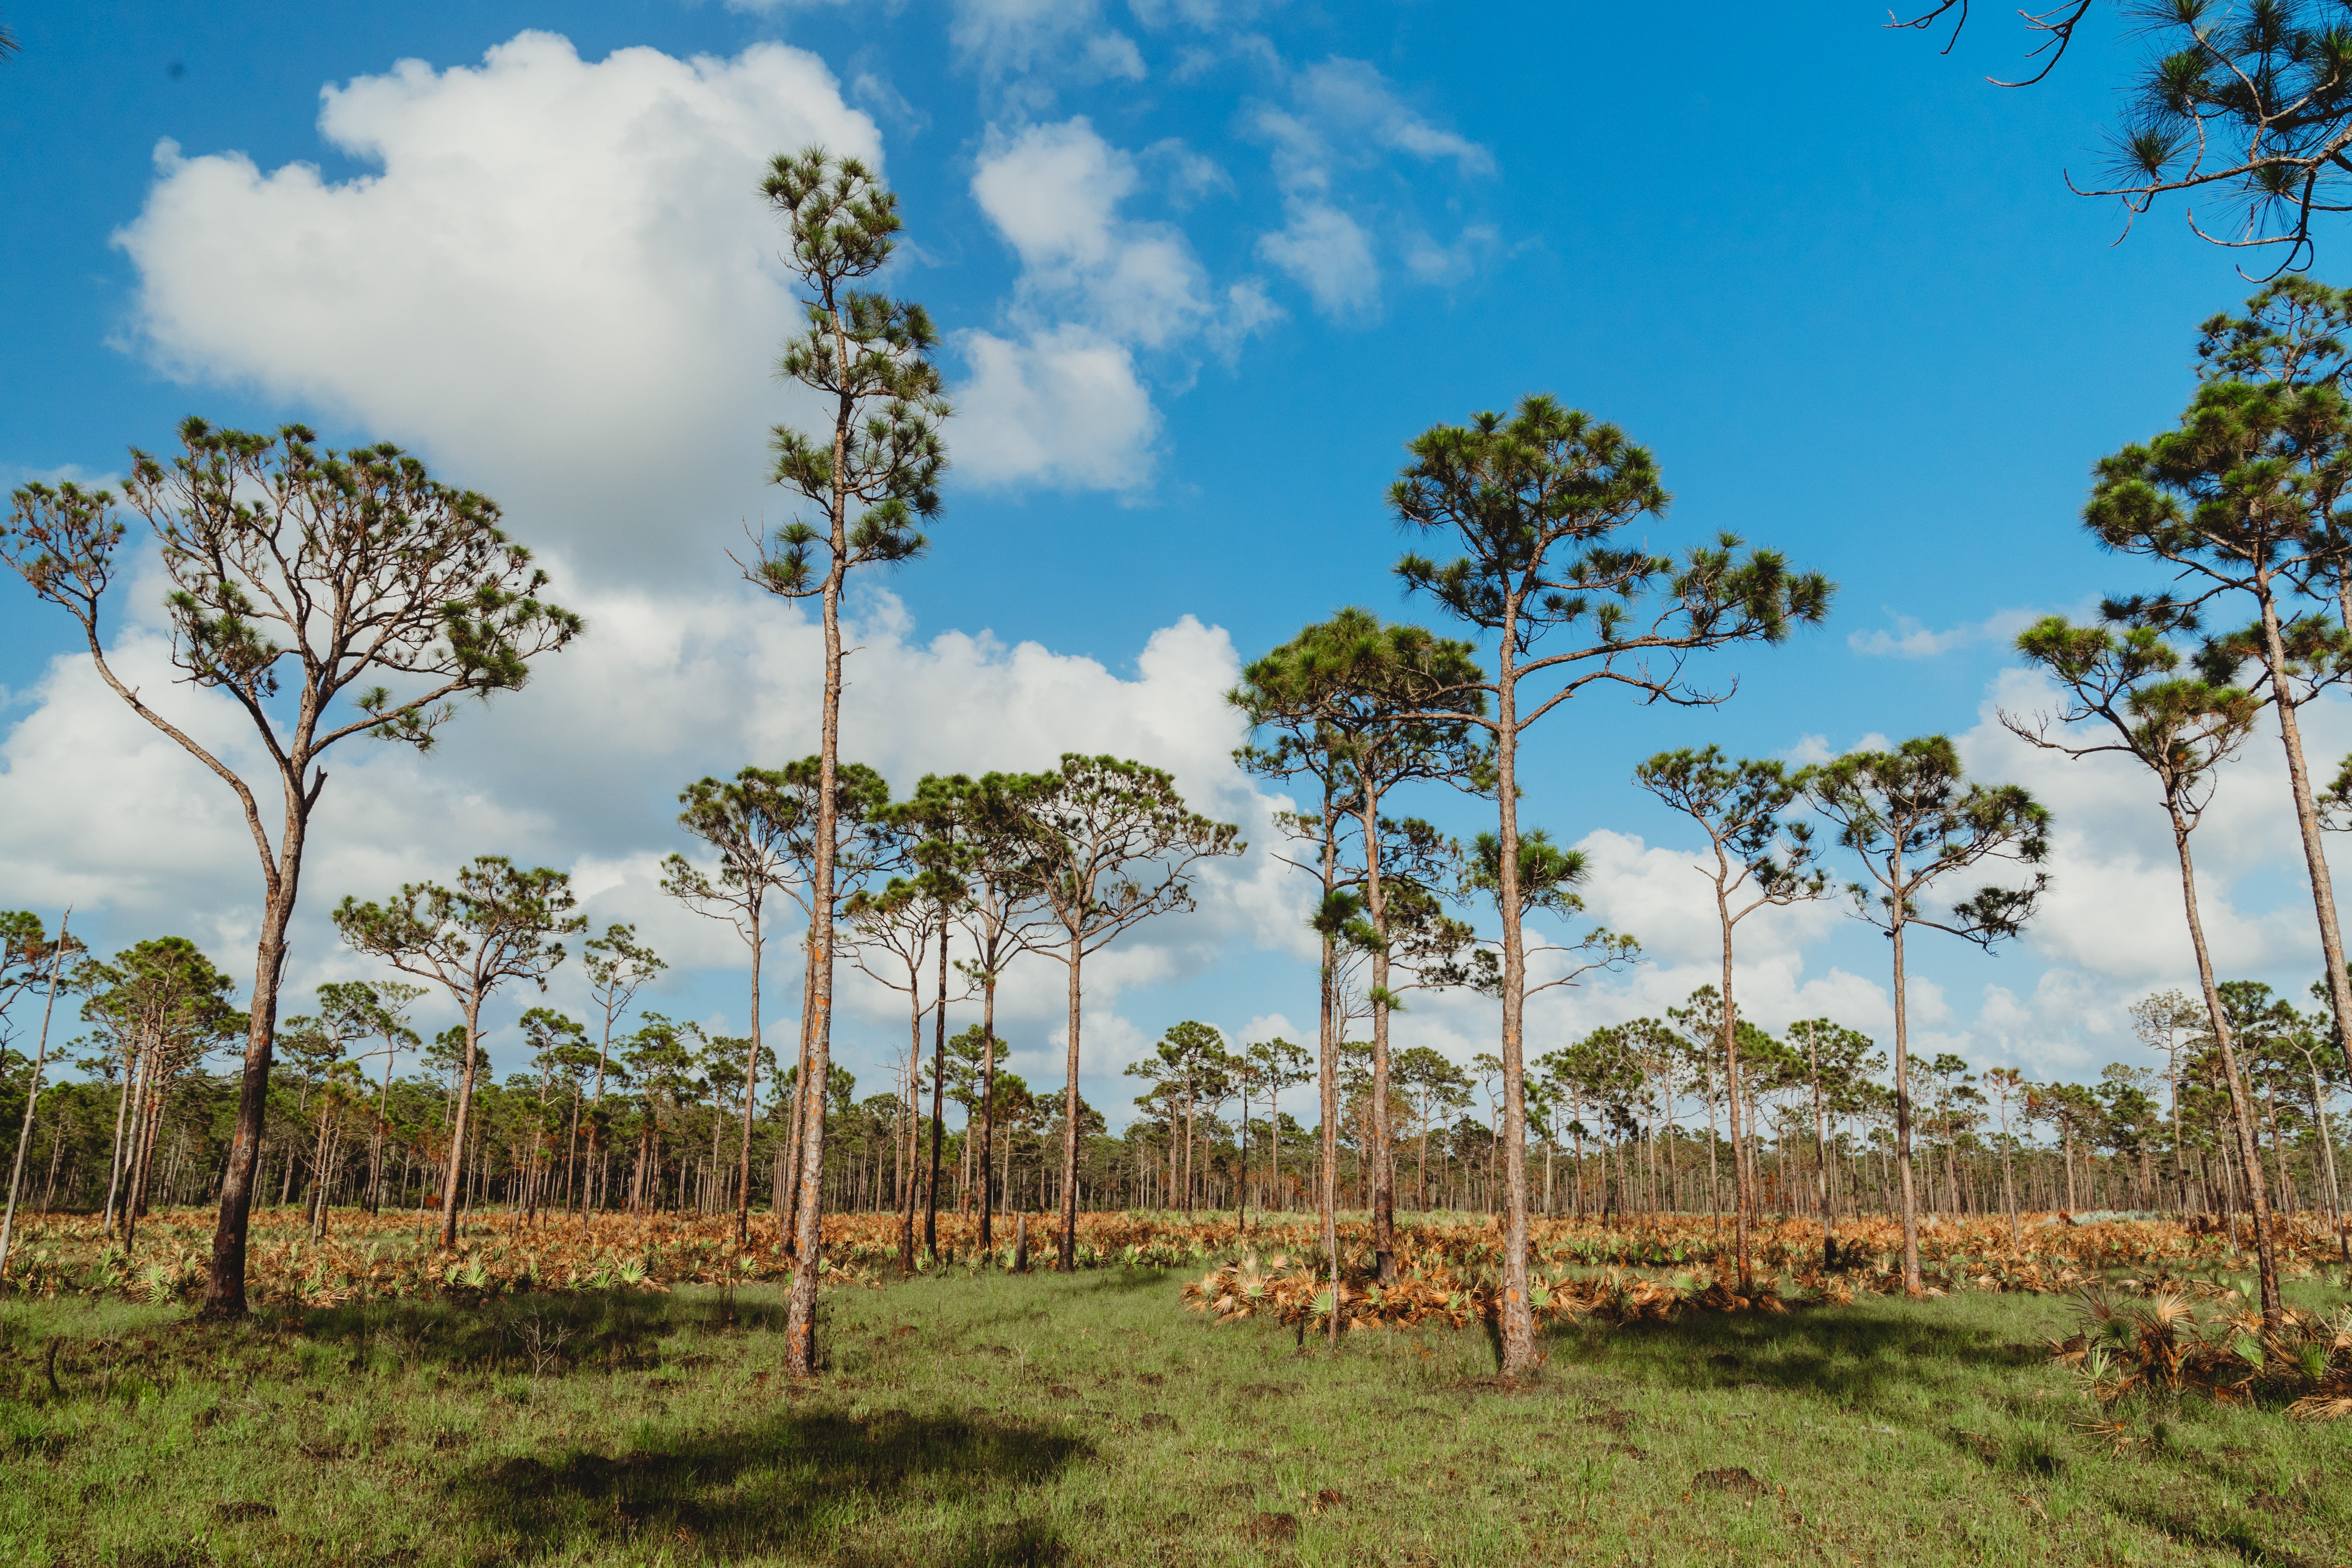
x,y
1059,398
558,281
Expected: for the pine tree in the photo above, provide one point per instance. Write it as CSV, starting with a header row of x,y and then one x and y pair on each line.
x,y
871,476
2125,682
296,566
1114,845
1537,503
1912,817
497,924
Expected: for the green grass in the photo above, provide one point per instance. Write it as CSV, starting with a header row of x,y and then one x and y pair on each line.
x,y
991,1419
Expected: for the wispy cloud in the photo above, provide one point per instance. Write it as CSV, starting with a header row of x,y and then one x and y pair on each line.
x,y
1913,638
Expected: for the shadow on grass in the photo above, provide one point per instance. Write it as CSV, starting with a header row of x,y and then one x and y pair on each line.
x,y
549,1332
807,1481
1851,1355
2228,1535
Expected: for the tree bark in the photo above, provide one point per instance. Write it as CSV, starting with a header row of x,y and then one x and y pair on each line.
x,y
1066,1253
938,1109
1518,1323
32,1099
788,1223
750,1094
1383,1174
225,1280
1327,1078
1913,1287
2306,819
1741,1179
453,1179
988,1122
2267,1263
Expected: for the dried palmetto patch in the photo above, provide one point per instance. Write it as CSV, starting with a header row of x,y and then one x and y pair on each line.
x,y
2163,1348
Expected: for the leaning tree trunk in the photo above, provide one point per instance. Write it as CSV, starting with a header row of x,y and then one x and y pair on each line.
x,y
2306,819
2265,1263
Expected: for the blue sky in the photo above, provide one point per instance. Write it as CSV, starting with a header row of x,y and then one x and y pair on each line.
x,y
1204,271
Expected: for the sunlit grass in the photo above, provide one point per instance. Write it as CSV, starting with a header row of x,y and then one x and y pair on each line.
x,y
994,1418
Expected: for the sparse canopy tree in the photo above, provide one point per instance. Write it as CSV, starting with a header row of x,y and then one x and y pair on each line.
x,y
379,1009
1186,1069
1836,1058
497,924
1382,697
1114,845
26,955
1004,901
871,478
1267,1068
1293,706
749,822
848,827
349,1012
892,933
559,1050
1437,1089
618,967
23,950
295,567
2253,101
1537,503
1547,876
979,841
2244,505
1762,861
166,1007
912,916
1912,818
2160,1021
2123,682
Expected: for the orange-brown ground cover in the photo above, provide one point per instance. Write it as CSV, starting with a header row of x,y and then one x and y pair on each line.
x,y
1446,1268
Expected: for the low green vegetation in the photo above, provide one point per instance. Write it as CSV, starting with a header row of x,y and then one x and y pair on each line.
x,y
985,1419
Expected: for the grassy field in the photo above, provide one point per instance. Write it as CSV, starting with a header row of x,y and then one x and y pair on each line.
x,y
984,1418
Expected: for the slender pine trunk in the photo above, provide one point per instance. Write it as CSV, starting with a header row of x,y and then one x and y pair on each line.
x,y
2266,1264
1066,1254
939,1106
2306,819
452,1181
1913,1286
1518,1323
1740,1180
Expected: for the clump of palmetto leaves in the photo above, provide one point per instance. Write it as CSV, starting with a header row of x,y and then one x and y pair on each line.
x,y
1292,1288
2162,1348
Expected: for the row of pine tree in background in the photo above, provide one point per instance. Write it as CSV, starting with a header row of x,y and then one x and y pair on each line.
x,y
1627,1119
